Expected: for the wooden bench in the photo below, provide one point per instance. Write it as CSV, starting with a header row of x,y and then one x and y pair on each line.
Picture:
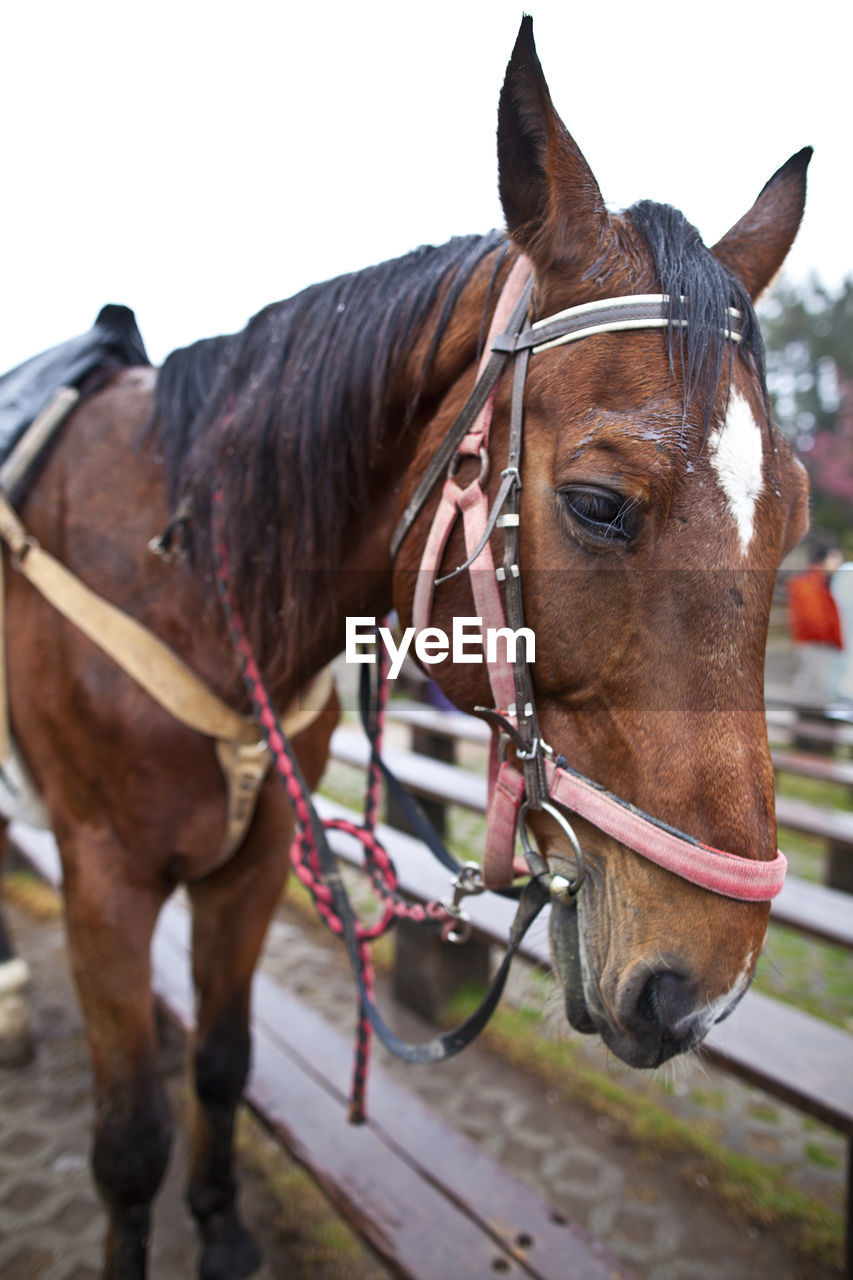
x,y
793,1056
429,1200
833,826
809,726
782,695
824,912
825,731
815,909
457,727
804,764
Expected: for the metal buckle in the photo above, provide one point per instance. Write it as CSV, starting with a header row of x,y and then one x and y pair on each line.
x,y
558,885
458,458
468,882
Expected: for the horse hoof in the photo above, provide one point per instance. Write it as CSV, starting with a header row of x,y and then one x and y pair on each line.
x,y
16,1041
229,1252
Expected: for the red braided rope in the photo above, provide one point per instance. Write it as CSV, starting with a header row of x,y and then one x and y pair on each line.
x,y
304,855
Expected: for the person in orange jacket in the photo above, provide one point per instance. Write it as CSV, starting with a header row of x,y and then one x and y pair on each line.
x,y
815,625
842,590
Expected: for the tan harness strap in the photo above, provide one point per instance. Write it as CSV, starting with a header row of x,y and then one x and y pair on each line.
x,y
160,672
245,764
36,437
150,662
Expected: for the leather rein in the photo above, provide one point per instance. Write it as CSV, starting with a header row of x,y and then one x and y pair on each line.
x,y
545,781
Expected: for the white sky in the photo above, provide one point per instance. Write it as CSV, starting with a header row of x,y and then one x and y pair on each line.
x,y
196,160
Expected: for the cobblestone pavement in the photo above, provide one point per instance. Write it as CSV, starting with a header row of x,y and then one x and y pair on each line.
x,y
51,1221
658,1213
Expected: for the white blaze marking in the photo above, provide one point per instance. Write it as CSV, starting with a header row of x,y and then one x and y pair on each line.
x,y
737,456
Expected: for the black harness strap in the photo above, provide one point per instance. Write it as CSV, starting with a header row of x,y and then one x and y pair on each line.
x,y
418,822
406,803
445,452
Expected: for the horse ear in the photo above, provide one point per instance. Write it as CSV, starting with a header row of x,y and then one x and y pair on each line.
x,y
756,246
553,207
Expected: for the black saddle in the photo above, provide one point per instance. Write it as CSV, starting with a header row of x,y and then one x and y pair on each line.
x,y
113,341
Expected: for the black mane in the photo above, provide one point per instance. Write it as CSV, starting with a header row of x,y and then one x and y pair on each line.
x,y
686,269
293,410
183,385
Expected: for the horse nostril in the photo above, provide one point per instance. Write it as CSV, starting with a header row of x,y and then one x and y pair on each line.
x,y
653,1015
676,1003
666,1004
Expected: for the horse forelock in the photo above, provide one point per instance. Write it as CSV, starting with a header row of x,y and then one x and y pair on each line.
x,y
701,290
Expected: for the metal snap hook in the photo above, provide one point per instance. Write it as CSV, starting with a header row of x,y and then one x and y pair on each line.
x,y
558,884
468,881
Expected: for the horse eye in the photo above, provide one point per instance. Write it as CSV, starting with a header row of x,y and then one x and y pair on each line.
x,y
607,516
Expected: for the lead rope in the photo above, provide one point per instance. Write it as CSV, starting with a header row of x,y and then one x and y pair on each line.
x,y
305,848
315,865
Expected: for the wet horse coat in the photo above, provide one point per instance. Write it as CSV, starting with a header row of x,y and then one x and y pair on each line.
x,y
657,502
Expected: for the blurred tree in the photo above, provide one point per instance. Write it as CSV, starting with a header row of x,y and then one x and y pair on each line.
x,y
808,331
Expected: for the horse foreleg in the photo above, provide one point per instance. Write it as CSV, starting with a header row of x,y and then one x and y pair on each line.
x,y
231,912
110,923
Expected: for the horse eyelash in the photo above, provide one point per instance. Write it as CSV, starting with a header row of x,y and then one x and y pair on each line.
x,y
608,530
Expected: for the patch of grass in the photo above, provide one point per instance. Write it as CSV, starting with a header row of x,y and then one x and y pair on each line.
x,y
806,854
749,1187
828,794
767,1115
812,975
344,783
712,1099
32,894
819,1155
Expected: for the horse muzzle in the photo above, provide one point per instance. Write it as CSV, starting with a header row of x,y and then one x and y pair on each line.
x,y
655,1015
648,1014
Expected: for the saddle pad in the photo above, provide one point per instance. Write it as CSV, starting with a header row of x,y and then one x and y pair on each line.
x,y
27,389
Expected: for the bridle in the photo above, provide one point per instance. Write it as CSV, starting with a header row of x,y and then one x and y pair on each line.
x,y
545,781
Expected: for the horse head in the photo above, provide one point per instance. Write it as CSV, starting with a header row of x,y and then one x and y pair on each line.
x,y
657,501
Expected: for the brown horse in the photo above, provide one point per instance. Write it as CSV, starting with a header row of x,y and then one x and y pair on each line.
x,y
658,500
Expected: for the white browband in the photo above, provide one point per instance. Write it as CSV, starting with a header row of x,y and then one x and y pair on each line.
x,y
614,315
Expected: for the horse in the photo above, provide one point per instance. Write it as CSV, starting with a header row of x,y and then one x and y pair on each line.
x,y
656,500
